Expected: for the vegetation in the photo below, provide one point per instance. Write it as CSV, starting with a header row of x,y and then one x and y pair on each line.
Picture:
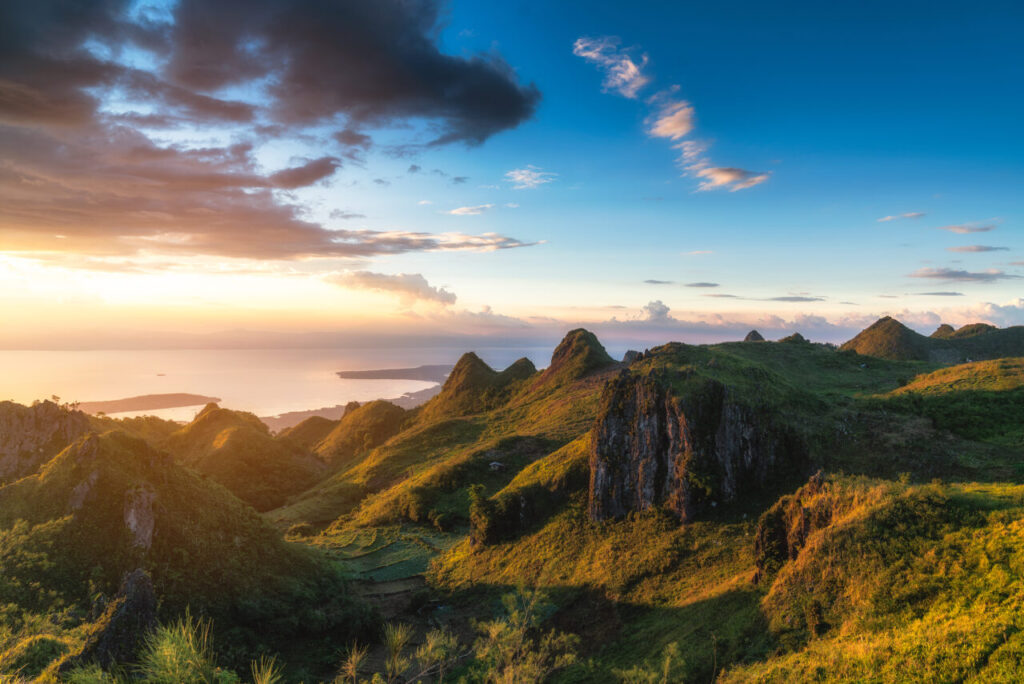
x,y
466,525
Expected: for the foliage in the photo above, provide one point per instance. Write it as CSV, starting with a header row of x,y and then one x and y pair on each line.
x,y
514,649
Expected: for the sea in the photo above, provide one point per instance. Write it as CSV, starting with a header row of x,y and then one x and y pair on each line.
x,y
267,382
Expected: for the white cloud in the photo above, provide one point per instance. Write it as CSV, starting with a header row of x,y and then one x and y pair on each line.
x,y
621,73
673,120
471,211
964,228
728,177
423,202
657,311
908,215
529,177
977,248
408,287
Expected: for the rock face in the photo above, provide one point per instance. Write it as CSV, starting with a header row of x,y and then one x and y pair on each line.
x,y
32,435
139,517
123,627
631,356
688,452
753,336
784,528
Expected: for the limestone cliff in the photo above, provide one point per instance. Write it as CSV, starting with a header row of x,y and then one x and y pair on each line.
x,y
688,450
32,435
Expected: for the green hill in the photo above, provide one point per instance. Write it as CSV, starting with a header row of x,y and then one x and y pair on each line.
x,y
309,432
237,450
887,338
361,428
109,504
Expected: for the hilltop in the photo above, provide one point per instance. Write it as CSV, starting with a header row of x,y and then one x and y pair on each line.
x,y
887,338
237,450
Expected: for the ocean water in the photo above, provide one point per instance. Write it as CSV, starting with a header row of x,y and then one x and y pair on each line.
x,y
267,382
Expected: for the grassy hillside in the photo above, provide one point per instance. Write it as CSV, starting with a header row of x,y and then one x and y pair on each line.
x,y
361,428
237,450
887,338
110,504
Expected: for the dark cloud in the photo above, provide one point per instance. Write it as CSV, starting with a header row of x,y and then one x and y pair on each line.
x,y
949,274
701,284
369,61
414,168
459,180
73,168
659,282
722,296
382,182
310,173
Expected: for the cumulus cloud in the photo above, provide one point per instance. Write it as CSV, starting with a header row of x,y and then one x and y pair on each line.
x,y
657,311
83,156
471,211
529,177
908,215
977,248
948,274
408,287
964,228
622,73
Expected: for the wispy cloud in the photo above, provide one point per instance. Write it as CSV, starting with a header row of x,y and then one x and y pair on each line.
x,y
948,274
908,215
699,251
964,228
471,211
529,177
673,120
794,298
702,284
671,117
622,73
659,282
977,248
408,287
943,294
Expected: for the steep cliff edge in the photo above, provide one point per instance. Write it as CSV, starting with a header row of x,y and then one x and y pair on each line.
x,y
32,435
689,450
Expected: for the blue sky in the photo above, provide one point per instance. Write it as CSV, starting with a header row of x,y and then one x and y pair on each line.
x,y
836,115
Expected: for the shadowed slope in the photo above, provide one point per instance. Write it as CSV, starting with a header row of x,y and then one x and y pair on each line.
x,y
237,450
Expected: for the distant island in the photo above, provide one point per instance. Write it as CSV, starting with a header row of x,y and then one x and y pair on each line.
x,y
147,402
425,373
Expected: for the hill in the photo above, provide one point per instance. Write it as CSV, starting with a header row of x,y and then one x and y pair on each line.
x,y
237,450
109,504
887,338
361,428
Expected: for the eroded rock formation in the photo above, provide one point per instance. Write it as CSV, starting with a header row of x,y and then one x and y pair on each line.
x,y
688,451
32,435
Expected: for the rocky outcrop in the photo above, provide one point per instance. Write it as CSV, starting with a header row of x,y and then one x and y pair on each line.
x,y
753,336
632,356
784,528
32,435
688,452
123,627
139,517
943,332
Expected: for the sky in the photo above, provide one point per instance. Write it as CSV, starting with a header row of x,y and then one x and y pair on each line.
x,y
293,173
